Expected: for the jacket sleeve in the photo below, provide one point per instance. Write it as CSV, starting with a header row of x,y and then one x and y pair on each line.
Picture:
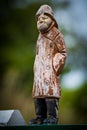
x,y
59,57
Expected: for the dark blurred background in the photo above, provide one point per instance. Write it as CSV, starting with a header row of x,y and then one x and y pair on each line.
x,y
18,36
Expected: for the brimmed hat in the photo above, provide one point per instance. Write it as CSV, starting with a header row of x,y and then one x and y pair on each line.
x,y
46,9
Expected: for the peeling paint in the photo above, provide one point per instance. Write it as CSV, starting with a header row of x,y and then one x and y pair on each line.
x,y
49,62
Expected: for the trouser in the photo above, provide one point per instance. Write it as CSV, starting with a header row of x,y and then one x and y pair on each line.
x,y
47,107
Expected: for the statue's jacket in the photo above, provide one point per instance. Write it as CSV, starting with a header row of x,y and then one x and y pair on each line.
x,y
49,62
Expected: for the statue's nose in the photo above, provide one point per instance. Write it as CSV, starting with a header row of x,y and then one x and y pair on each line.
x,y
41,20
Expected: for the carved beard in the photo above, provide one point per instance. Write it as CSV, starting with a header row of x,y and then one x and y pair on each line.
x,y
43,26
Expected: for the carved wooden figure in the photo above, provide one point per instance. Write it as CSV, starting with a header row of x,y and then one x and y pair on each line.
x,y
49,62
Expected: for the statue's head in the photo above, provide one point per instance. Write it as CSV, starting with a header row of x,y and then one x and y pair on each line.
x,y
45,18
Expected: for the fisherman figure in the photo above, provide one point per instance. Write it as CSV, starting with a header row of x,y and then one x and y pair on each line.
x,y
48,65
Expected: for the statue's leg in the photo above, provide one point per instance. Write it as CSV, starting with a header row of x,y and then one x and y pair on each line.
x,y
52,109
40,111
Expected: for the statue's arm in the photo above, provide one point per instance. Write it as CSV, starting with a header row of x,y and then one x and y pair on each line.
x,y
60,57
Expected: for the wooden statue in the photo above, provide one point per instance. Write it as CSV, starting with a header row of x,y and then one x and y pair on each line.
x,y
49,62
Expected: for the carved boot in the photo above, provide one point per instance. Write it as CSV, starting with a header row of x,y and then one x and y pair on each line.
x,y
40,110
52,109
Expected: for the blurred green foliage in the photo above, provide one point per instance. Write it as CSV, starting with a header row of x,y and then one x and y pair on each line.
x,y
18,35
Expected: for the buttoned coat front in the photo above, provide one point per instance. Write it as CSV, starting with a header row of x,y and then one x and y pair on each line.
x,y
49,62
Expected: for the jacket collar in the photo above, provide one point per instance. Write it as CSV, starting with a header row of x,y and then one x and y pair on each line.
x,y
52,33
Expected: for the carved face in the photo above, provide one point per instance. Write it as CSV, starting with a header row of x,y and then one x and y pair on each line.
x,y
44,22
